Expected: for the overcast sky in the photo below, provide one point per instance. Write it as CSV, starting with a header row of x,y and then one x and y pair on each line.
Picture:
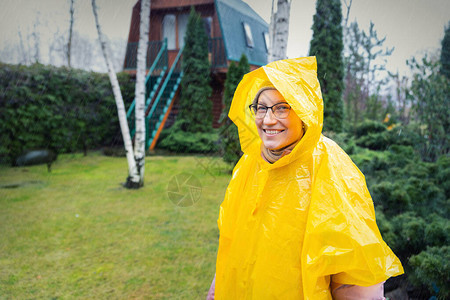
x,y
411,26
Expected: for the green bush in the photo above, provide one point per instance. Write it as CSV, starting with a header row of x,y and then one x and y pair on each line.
x,y
411,197
442,174
344,140
61,109
386,227
392,197
370,161
374,135
176,140
410,232
369,127
437,231
431,268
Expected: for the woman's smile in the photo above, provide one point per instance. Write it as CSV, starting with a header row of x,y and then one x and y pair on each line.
x,y
272,132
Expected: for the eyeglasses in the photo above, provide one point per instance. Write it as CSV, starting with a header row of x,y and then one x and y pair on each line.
x,y
279,110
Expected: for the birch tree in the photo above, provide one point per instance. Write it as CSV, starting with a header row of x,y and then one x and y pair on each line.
x,y
139,149
133,179
69,43
279,30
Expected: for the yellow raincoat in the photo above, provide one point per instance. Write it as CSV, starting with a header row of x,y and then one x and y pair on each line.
x,y
286,227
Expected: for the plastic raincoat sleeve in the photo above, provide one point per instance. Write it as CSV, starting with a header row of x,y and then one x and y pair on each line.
x,y
342,238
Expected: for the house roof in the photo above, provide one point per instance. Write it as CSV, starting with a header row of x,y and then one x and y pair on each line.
x,y
232,14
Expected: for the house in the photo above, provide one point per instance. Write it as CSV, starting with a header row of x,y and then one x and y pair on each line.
x,y
233,28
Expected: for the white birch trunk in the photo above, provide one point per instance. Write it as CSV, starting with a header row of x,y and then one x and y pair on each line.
x,y
139,139
133,177
279,30
271,32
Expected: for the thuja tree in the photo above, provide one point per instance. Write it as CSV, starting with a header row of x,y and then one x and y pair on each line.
x,y
445,53
327,45
195,106
228,130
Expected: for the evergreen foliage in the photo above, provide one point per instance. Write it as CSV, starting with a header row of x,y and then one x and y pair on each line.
x,y
430,91
228,131
64,110
175,140
327,45
411,200
195,106
432,269
445,53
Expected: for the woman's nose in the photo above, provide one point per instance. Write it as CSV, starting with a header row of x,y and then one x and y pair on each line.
x,y
269,118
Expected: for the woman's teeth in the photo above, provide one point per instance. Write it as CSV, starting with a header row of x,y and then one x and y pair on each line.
x,y
272,131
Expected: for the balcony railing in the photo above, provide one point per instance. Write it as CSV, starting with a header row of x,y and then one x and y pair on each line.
x,y
152,52
216,50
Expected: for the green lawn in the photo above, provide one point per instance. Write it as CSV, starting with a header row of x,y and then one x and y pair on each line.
x,y
76,233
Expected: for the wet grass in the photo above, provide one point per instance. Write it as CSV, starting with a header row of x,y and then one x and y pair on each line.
x,y
76,233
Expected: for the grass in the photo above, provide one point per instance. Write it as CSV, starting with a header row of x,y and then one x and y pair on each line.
x,y
76,233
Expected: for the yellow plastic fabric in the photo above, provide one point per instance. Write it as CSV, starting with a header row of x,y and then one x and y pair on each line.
x,y
286,227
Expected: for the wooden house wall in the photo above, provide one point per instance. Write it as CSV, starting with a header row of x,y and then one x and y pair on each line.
x,y
162,7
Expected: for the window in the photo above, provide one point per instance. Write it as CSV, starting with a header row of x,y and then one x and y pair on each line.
x,y
182,26
266,41
168,26
248,35
207,22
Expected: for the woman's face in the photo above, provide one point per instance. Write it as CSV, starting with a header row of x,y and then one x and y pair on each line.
x,y
277,133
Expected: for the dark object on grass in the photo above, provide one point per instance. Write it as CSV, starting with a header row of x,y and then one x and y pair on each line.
x,y
37,157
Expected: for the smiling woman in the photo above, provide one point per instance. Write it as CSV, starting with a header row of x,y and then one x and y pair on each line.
x,y
297,221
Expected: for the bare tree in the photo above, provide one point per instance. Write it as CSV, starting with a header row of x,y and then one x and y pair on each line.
x,y
36,39
348,5
365,58
56,49
403,98
139,149
69,43
279,30
23,54
133,176
81,45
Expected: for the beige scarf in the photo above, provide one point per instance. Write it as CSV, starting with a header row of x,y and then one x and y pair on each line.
x,y
272,156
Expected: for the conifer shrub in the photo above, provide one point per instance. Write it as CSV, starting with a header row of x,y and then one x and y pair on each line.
x,y
229,136
327,45
369,126
430,268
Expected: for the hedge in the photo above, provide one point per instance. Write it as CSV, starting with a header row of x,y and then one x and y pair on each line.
x,y
65,110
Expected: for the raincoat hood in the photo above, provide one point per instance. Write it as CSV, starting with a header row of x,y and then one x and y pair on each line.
x,y
289,228
296,79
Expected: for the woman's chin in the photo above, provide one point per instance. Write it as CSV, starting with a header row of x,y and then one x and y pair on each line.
x,y
273,146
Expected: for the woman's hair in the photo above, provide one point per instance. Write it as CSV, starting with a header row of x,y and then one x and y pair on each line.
x,y
265,88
